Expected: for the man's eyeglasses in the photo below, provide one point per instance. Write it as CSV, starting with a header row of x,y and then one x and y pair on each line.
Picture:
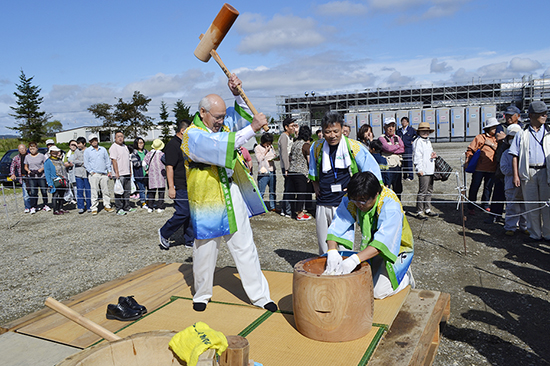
x,y
217,118
358,203
73,145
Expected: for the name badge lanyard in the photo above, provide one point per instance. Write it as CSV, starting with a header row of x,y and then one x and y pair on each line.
x,y
537,140
333,166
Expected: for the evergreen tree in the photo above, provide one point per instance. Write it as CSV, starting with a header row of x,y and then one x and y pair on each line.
x,y
126,117
164,123
31,122
181,112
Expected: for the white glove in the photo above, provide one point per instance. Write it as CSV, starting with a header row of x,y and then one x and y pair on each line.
x,y
348,265
333,261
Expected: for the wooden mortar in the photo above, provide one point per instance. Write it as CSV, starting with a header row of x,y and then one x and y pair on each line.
x,y
332,308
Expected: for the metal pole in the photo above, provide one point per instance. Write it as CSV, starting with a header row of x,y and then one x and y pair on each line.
x,y
15,196
6,206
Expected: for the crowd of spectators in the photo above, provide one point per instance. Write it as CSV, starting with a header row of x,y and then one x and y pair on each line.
x,y
508,158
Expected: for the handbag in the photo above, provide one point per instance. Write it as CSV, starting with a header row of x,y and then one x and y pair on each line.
x,y
60,182
472,163
442,169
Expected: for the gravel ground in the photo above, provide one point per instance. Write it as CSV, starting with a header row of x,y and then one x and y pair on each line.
x,y
499,289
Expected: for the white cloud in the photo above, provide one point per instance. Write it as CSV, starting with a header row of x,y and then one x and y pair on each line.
x,y
397,79
339,8
515,68
439,67
462,76
524,64
283,32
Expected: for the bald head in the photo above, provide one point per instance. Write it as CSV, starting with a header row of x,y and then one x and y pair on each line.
x,y
212,111
22,149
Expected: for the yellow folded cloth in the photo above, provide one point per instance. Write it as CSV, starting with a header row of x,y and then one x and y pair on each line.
x,y
191,342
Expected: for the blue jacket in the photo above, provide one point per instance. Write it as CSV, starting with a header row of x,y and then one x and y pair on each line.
x,y
408,137
50,174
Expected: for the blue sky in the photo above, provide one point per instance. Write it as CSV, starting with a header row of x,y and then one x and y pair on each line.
x,y
81,53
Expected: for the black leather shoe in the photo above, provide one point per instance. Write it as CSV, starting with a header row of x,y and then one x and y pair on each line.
x,y
132,304
121,312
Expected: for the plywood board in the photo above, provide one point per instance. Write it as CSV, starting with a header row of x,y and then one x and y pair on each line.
x,y
409,340
81,297
152,290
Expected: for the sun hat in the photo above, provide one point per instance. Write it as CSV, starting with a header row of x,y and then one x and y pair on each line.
x,y
490,123
424,126
157,144
388,120
92,136
54,148
513,129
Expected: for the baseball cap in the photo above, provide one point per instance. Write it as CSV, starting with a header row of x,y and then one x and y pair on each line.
x,y
388,120
92,136
49,142
512,109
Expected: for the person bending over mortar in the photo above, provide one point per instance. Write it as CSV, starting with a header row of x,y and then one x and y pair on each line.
x,y
387,239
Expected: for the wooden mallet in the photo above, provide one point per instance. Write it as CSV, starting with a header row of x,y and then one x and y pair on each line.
x,y
210,41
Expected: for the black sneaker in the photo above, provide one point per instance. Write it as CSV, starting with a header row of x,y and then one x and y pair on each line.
x,y
270,306
132,304
199,306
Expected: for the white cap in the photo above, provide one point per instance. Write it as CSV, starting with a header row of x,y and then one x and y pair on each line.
x,y
49,142
92,136
491,122
388,120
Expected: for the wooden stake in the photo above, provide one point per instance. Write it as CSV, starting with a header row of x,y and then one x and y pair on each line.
x,y
237,352
80,320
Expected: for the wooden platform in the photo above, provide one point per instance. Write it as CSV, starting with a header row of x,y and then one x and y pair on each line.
x,y
165,289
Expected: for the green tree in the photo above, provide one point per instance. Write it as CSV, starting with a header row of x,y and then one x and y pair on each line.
x,y
181,112
127,117
31,122
164,123
53,127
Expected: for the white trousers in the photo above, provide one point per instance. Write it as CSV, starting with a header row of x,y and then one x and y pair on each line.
x,y
323,219
381,282
536,189
97,182
242,248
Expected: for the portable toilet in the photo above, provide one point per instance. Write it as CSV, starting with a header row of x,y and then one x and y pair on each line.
x,y
428,115
473,121
414,117
375,120
361,119
350,119
457,124
487,111
442,131
400,114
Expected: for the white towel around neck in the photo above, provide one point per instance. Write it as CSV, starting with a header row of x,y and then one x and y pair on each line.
x,y
342,159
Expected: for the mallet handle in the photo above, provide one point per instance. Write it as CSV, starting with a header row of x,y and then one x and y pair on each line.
x,y
218,59
80,320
